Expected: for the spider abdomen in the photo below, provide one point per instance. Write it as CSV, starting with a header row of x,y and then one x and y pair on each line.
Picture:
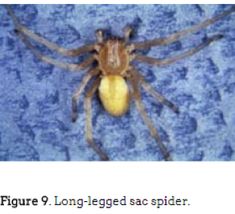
x,y
114,94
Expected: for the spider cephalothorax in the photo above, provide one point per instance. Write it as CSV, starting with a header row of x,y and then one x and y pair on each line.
x,y
113,57
114,69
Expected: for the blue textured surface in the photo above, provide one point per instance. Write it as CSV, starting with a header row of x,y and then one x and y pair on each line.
x,y
35,98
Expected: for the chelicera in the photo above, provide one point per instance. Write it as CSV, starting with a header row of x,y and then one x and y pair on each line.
x,y
114,57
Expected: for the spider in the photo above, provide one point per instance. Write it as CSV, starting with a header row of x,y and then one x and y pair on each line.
x,y
114,75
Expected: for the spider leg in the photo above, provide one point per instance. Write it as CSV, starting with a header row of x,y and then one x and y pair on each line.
x,y
127,33
91,73
99,36
87,105
50,45
148,88
67,66
134,80
163,62
178,35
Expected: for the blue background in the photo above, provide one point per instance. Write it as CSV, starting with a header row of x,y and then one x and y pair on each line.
x,y
35,98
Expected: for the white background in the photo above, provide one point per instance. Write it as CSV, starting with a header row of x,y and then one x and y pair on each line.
x,y
209,186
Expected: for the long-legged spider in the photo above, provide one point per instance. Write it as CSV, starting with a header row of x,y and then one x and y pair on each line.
x,y
114,57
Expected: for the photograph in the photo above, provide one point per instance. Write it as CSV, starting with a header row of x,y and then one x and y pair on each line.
x,y
115,82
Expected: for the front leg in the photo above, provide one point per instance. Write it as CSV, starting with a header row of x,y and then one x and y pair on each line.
x,y
50,45
163,62
178,35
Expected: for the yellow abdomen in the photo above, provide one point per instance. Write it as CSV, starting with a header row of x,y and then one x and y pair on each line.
x,y
114,94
